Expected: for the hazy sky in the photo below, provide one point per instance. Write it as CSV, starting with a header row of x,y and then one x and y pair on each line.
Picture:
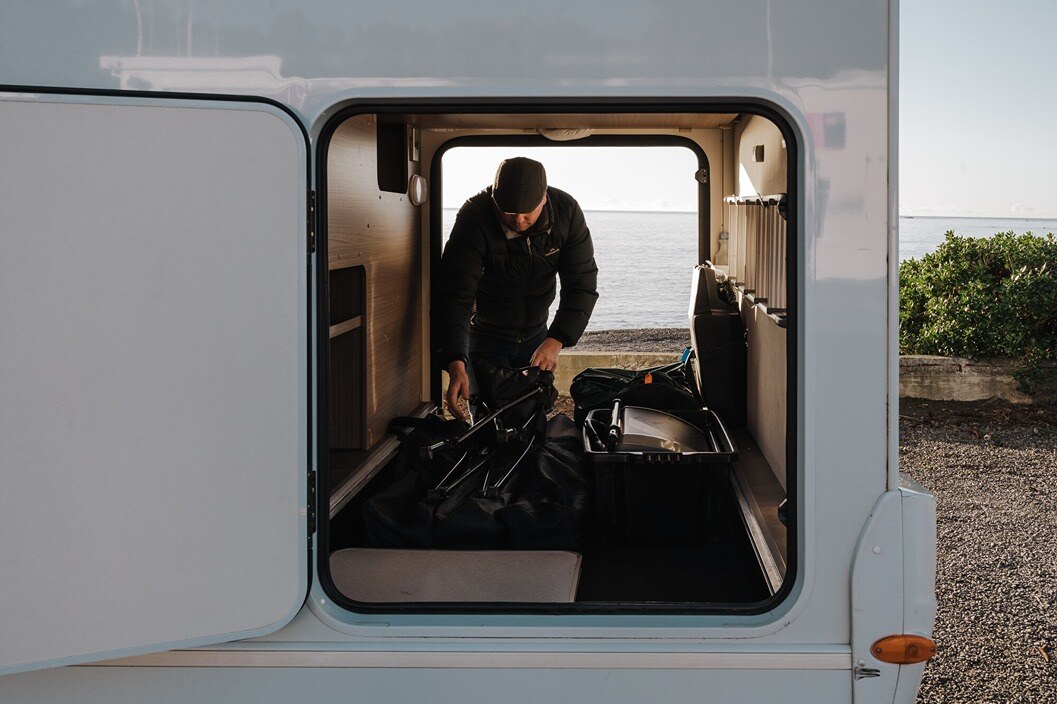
x,y
978,108
977,128
600,178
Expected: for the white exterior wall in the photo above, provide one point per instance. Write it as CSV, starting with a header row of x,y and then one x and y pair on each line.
x,y
809,60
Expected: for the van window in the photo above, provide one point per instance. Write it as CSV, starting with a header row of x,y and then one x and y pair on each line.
x,y
641,205
685,509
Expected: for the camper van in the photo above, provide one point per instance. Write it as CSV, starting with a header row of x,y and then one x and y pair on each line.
x,y
221,228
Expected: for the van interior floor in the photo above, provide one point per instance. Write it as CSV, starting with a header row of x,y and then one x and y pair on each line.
x,y
723,572
728,566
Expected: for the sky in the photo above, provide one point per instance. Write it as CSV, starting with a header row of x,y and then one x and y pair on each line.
x,y
600,178
977,124
978,108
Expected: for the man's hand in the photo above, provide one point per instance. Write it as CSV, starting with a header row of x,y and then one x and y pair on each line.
x,y
546,355
458,388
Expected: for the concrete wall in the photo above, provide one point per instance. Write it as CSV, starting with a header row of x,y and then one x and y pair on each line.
x,y
572,362
960,379
920,376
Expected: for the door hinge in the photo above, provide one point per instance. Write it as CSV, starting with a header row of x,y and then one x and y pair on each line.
x,y
311,503
311,222
861,672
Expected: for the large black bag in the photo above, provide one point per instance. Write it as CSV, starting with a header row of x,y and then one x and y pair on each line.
x,y
499,387
668,389
537,490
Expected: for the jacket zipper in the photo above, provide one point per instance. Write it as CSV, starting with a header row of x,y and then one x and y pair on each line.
x,y
532,267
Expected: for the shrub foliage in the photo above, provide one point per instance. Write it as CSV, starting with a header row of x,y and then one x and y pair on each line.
x,y
983,297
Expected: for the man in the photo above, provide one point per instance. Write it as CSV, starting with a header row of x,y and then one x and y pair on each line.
x,y
497,277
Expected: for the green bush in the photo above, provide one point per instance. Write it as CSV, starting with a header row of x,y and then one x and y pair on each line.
x,y
983,297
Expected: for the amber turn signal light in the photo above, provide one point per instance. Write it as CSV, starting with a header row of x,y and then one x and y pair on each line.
x,y
904,649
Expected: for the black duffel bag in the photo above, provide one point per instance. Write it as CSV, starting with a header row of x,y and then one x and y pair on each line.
x,y
664,388
520,490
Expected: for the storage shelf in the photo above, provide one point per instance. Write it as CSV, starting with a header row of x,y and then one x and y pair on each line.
x,y
346,326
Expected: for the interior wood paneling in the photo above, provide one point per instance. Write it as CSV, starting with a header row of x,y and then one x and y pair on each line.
x,y
380,231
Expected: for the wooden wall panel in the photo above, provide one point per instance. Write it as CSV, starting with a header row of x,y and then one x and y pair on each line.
x,y
382,232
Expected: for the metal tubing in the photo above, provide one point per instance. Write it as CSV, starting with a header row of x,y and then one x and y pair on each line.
x,y
499,485
429,450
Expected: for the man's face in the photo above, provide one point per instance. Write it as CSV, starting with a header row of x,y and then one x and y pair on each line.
x,y
519,222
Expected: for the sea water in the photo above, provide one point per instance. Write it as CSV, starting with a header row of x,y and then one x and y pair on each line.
x,y
920,235
645,259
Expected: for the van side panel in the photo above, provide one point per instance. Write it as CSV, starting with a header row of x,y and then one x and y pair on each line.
x,y
822,64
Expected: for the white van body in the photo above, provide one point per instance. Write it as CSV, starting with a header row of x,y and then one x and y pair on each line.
x,y
159,292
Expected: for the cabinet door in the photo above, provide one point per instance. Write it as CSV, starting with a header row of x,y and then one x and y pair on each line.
x,y
153,374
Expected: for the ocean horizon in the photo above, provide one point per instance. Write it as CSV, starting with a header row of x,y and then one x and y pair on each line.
x,y
645,258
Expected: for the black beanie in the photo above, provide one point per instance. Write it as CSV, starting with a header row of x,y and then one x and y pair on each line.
x,y
520,184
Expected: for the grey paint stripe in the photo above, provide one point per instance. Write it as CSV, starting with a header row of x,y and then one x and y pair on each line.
x,y
489,660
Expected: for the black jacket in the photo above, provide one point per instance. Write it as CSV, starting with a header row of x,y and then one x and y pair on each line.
x,y
504,287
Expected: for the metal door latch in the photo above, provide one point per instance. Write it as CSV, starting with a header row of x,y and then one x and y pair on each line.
x,y
861,672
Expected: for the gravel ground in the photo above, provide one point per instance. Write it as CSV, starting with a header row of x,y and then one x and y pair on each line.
x,y
993,469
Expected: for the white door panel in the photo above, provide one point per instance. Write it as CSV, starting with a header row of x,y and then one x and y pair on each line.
x,y
153,434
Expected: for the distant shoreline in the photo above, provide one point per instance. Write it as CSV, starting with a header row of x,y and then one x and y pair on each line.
x,y
976,217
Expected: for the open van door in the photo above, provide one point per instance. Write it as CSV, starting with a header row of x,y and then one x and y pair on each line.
x,y
153,374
